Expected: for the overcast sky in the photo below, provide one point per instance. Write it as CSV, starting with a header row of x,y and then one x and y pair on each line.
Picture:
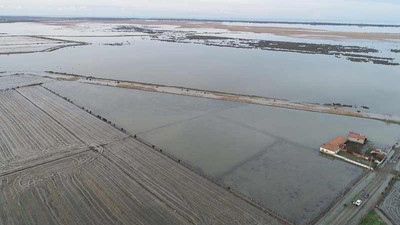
x,y
378,11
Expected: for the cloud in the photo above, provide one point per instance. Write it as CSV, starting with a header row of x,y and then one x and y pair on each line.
x,y
322,10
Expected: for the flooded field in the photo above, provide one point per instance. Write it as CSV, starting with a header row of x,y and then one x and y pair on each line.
x,y
12,81
265,153
59,164
269,155
32,44
294,76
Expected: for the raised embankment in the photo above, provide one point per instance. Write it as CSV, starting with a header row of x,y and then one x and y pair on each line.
x,y
251,99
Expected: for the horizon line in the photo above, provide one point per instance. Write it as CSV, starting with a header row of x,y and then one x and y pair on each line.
x,y
276,21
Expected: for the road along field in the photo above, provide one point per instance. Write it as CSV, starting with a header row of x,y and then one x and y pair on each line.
x,y
375,183
60,164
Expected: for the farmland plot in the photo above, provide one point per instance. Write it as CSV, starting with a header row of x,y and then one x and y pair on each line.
x,y
196,198
26,131
31,44
391,204
20,80
62,165
84,125
82,189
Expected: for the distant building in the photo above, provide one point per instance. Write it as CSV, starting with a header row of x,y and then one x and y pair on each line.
x,y
357,138
334,146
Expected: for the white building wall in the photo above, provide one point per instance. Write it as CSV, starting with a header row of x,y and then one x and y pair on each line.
x,y
329,152
356,140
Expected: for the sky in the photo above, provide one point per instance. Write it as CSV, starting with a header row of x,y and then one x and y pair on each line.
x,y
360,11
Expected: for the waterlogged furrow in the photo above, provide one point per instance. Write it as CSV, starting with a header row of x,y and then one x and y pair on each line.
x,y
50,175
25,130
87,127
391,205
97,192
78,190
128,195
196,198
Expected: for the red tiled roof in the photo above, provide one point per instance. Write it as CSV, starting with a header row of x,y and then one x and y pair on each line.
x,y
357,136
335,144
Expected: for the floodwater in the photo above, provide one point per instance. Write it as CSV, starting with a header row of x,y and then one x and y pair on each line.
x,y
293,76
269,154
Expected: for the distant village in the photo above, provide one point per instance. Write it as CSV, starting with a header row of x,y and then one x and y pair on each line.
x,y
352,150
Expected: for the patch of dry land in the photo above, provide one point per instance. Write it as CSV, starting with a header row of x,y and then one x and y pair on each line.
x,y
275,30
59,164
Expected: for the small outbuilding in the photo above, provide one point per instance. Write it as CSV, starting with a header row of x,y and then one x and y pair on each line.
x,y
334,146
357,138
378,154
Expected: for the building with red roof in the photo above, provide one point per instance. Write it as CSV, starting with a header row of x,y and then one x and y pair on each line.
x,y
357,138
334,146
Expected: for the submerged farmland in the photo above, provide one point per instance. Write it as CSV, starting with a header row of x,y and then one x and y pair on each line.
x,y
262,152
21,44
62,165
171,122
